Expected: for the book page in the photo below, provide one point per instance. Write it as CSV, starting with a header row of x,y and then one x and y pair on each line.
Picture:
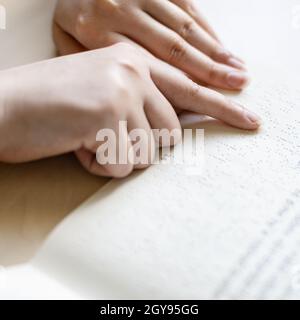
x,y
26,282
232,231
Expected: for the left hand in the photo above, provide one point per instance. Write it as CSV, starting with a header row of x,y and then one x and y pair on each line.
x,y
172,30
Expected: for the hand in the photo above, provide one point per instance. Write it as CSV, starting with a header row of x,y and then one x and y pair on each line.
x,y
172,30
58,106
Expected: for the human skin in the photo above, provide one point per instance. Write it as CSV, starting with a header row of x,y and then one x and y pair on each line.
x,y
173,30
58,106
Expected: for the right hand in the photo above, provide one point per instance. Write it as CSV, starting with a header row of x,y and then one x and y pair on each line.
x,y
58,106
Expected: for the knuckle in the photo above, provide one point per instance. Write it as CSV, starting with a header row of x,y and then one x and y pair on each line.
x,y
133,68
193,91
116,9
86,33
130,58
111,7
187,29
212,72
81,25
177,50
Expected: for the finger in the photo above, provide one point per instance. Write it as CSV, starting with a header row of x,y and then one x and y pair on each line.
x,y
186,94
64,42
184,25
116,38
124,158
162,117
89,162
192,8
171,80
119,162
142,140
169,46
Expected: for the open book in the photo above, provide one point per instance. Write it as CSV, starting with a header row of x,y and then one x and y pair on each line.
x,y
231,232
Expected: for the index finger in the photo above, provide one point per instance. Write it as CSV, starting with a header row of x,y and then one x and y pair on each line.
x,y
183,93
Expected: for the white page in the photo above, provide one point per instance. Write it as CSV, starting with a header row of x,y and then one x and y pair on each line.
x,y
29,283
232,232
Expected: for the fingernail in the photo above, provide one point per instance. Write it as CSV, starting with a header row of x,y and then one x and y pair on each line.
x,y
234,62
253,117
237,80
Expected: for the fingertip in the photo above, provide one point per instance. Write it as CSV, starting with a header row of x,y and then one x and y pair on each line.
x,y
253,119
250,120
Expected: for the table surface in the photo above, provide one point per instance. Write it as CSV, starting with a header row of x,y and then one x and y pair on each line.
x,y
36,196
